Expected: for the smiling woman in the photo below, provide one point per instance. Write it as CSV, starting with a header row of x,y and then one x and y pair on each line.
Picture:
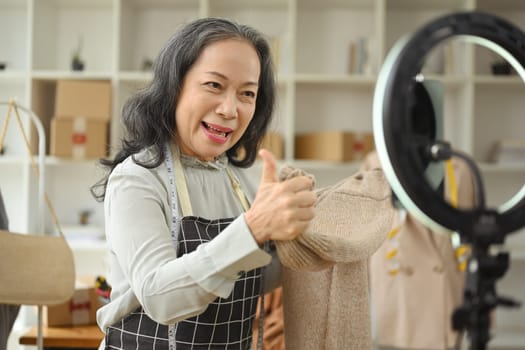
x,y
217,100
216,133
188,232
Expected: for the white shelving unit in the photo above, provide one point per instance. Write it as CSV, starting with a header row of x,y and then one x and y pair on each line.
x,y
315,89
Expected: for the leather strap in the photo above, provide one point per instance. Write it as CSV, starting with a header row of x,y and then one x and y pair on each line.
x,y
182,187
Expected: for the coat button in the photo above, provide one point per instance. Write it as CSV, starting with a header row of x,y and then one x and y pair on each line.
x,y
438,269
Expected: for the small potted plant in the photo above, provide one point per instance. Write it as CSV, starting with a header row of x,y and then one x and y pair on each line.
x,y
76,60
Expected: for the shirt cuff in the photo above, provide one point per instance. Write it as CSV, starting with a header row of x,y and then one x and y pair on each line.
x,y
233,251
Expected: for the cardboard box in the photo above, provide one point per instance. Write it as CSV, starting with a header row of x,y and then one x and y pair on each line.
x,y
274,143
80,310
79,138
337,146
362,145
43,105
83,98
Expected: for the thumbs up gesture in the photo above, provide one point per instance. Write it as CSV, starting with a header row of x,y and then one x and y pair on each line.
x,y
281,210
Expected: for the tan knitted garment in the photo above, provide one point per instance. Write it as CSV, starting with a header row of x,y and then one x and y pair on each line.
x,y
325,270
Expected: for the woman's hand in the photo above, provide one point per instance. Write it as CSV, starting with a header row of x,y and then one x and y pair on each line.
x,y
281,210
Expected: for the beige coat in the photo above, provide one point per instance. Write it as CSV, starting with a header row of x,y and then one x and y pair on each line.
x,y
413,308
325,270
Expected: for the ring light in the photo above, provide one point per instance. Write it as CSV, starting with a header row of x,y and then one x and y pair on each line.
x,y
406,152
397,145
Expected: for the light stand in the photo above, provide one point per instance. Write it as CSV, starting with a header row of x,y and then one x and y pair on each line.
x,y
484,267
404,154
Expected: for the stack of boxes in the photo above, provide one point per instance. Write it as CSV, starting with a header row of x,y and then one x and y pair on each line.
x,y
79,127
79,130
80,123
335,146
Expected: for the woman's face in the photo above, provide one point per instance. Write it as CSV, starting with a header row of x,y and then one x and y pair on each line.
x,y
217,100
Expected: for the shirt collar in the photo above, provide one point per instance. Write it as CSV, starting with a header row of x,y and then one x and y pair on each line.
x,y
218,163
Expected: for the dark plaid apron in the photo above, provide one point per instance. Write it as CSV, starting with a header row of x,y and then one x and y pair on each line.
x,y
225,324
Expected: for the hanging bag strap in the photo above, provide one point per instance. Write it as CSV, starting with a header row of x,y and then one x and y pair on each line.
x,y
238,190
13,107
182,187
54,273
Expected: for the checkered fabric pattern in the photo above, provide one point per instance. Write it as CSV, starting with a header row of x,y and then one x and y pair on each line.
x,y
226,324
137,331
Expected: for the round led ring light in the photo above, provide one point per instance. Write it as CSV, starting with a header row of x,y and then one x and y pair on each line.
x,y
395,143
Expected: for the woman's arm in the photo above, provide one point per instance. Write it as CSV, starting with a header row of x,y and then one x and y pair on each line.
x,y
170,288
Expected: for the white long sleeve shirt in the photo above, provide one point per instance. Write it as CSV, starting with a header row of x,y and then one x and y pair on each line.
x,y
144,268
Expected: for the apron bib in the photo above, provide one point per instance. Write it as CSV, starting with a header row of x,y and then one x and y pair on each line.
x,y
226,323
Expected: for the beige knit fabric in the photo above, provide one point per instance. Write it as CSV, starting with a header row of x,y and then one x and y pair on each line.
x,y
325,270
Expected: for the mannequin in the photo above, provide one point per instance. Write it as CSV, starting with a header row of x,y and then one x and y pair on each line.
x,y
413,266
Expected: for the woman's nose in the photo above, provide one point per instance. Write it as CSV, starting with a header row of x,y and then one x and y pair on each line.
x,y
228,106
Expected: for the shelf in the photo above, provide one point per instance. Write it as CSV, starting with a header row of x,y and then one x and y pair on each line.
x,y
56,161
11,76
338,4
14,4
14,27
145,26
13,160
135,76
312,40
49,161
324,79
495,168
253,5
326,34
68,74
449,81
427,5
79,4
507,340
61,27
145,4
333,107
513,80
496,116
506,5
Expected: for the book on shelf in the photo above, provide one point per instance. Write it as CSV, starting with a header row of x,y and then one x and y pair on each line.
x,y
358,57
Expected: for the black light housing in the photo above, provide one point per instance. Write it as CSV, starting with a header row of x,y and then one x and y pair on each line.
x,y
399,145
406,149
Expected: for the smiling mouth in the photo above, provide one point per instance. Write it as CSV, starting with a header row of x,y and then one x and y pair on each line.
x,y
217,130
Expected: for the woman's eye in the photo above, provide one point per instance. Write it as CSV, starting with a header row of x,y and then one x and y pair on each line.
x,y
250,94
213,85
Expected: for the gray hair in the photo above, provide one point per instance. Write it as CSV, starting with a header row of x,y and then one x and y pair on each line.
x,y
149,115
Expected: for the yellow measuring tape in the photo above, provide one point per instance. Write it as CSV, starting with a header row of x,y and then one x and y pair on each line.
x,y
460,250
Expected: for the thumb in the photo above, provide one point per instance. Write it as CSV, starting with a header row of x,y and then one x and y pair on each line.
x,y
269,166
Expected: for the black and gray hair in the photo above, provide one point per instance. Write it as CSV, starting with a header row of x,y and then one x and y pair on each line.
x,y
149,115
